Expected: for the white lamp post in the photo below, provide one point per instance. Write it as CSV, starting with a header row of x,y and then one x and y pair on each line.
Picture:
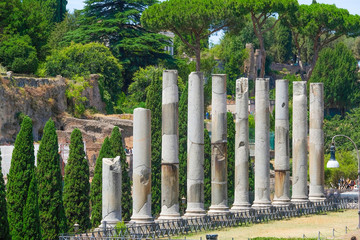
x,y
332,163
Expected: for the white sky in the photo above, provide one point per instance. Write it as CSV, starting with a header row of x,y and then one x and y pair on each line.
x,y
353,6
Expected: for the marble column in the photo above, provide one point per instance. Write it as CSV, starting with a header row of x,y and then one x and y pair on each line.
x,y
262,144
282,161
241,199
300,146
316,143
142,166
195,147
219,198
111,191
170,147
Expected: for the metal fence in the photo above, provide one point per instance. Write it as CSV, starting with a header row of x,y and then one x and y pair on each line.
x,y
166,229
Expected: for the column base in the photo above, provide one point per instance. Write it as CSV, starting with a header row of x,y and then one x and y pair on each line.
x,y
218,209
281,202
194,213
242,207
261,205
299,200
317,199
141,220
168,216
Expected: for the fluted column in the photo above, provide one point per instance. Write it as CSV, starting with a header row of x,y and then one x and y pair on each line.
x,y
195,146
241,199
316,142
219,199
262,144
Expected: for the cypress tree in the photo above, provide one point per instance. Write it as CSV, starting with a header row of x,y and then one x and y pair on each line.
x,y
96,184
183,112
4,224
51,209
19,178
231,155
207,169
118,149
153,102
76,184
31,220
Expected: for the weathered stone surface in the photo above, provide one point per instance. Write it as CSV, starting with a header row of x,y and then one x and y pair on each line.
x,y
299,156
142,167
195,146
262,144
282,162
241,201
93,94
170,147
316,142
111,191
219,199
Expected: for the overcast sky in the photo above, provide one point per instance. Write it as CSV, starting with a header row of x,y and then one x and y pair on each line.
x,y
352,5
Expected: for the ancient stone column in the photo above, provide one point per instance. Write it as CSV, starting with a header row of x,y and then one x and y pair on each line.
x,y
262,144
316,142
195,146
300,147
111,191
241,199
170,147
142,166
282,161
219,199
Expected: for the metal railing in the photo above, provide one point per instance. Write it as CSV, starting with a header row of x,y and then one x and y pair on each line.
x,y
162,229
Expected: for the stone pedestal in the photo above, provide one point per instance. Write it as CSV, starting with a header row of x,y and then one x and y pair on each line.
x,y
241,199
300,147
316,143
142,167
170,147
282,162
262,144
195,147
111,192
219,199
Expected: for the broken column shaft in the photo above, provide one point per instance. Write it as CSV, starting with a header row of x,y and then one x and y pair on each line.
x,y
219,200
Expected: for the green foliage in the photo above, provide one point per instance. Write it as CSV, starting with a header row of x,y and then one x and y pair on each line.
x,y
207,169
83,60
4,224
51,209
153,102
31,220
337,69
120,228
117,147
356,48
74,92
231,155
18,54
76,184
96,184
281,49
19,178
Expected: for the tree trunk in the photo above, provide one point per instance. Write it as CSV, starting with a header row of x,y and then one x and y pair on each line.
x,y
198,55
313,64
263,55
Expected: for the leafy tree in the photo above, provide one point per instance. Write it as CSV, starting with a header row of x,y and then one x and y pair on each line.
x,y
59,9
282,47
83,60
153,102
96,184
31,220
348,168
260,12
76,184
356,48
4,224
337,69
51,209
318,25
231,154
19,178
207,168
191,20
117,147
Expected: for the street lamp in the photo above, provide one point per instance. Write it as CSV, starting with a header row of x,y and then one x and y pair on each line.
x,y
332,163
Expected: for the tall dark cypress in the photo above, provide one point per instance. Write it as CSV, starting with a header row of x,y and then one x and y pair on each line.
x,y
118,149
49,179
76,184
96,184
19,178
207,169
230,155
153,102
4,224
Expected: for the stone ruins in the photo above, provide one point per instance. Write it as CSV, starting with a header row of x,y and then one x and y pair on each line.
x,y
195,150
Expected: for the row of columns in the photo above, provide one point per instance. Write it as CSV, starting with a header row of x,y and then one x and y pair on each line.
x,y
195,148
